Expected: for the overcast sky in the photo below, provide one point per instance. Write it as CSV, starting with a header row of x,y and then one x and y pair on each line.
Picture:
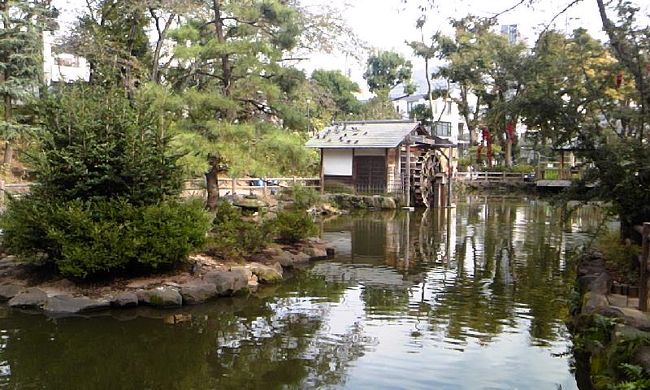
x,y
388,24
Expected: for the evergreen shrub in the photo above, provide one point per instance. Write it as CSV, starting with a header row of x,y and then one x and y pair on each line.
x,y
234,237
106,193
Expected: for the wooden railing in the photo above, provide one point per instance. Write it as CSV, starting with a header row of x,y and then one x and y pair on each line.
x,y
491,177
264,186
557,171
13,189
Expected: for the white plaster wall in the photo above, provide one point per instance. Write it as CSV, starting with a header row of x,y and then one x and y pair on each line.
x,y
337,162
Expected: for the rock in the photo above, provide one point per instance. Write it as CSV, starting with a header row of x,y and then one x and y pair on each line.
x,y
241,271
197,292
632,317
601,284
250,203
315,252
288,259
594,302
388,203
32,298
265,273
161,297
642,357
125,299
228,282
8,291
66,304
177,319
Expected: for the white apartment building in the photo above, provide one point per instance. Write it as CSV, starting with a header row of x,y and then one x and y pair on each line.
x,y
62,68
448,123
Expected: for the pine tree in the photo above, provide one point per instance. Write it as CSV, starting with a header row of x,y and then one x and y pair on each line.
x,y
22,23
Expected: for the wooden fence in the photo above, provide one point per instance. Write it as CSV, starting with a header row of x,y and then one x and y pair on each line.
x,y
245,186
13,189
491,177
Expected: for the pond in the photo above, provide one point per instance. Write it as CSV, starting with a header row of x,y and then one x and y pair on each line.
x,y
473,297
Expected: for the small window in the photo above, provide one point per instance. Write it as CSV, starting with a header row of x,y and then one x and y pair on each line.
x,y
443,129
461,128
449,107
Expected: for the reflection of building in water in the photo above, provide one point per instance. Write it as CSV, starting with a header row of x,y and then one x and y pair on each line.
x,y
404,242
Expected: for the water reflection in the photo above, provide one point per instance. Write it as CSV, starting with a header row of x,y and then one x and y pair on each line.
x,y
413,300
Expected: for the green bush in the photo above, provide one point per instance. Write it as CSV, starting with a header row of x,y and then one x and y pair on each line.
x,y
292,226
98,237
98,144
621,258
234,237
303,197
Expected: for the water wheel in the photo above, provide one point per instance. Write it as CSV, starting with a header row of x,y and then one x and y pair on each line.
x,y
430,168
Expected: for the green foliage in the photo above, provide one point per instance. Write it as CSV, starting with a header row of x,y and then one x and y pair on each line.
x,y
386,70
292,226
621,257
340,88
249,149
422,113
234,237
22,23
97,144
112,36
83,238
303,197
106,184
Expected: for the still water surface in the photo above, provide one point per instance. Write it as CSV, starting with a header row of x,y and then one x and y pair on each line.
x,y
468,298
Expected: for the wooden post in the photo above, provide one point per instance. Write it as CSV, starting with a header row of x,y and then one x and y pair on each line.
x,y
322,173
2,194
643,280
233,186
264,188
449,178
408,173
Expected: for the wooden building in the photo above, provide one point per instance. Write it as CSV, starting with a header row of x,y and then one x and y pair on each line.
x,y
371,157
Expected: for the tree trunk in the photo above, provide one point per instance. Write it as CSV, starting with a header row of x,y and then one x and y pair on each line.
x,y
162,35
225,58
212,183
9,152
8,117
630,57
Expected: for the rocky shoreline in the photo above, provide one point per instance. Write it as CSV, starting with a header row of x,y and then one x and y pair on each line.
x,y
207,279
608,329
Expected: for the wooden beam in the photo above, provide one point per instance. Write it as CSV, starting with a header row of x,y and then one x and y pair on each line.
x,y
322,173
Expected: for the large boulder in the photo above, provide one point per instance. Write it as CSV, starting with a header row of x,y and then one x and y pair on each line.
x,y
250,203
197,292
161,297
265,273
66,304
31,298
228,282
289,260
125,299
316,252
8,291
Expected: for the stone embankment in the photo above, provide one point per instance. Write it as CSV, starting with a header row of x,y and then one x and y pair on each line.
x,y
208,279
608,328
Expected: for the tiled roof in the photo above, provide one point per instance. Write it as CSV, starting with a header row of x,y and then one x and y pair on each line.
x,y
369,134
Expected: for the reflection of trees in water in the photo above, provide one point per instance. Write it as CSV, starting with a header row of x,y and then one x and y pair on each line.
x,y
240,343
506,265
